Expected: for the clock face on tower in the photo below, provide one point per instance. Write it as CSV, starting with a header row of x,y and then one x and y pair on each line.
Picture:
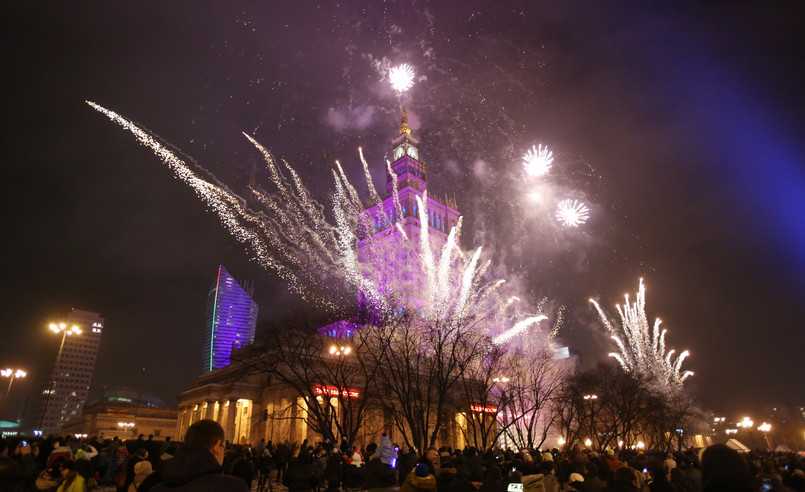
x,y
412,152
398,153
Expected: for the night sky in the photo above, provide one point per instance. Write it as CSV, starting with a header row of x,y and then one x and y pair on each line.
x,y
680,126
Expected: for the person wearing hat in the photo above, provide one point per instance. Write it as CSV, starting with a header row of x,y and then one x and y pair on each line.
x,y
419,480
575,483
141,470
381,472
72,480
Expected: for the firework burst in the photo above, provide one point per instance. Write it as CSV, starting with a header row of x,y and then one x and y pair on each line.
x,y
401,77
572,213
641,346
537,161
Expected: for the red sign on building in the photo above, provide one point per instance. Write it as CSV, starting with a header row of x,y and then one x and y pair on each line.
x,y
334,391
477,408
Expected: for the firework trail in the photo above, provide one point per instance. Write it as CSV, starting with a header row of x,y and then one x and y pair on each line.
x,y
641,346
328,259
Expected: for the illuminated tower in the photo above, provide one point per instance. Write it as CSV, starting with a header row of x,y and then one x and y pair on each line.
x,y
231,319
60,389
383,245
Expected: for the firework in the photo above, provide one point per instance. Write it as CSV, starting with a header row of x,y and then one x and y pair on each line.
x,y
572,213
401,77
641,346
328,258
537,161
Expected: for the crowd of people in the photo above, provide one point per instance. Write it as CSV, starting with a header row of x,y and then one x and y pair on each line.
x,y
205,461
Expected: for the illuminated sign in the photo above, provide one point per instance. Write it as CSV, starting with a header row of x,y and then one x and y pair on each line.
x,y
326,390
474,407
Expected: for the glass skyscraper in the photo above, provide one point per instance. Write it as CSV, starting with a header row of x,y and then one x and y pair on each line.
x,y
231,320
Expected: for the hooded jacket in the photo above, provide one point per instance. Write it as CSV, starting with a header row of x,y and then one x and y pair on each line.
x,y
196,469
413,483
534,483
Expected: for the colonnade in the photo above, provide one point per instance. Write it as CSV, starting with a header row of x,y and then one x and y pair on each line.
x,y
233,414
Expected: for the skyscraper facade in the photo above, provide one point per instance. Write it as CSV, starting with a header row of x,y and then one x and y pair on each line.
x,y
231,319
61,386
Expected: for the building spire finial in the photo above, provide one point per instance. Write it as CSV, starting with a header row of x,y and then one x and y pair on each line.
x,y
404,129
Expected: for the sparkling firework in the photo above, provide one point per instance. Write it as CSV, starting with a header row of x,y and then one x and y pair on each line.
x,y
401,77
641,347
537,161
293,236
572,213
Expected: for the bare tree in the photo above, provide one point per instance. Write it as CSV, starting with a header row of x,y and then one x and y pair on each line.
x,y
333,384
420,363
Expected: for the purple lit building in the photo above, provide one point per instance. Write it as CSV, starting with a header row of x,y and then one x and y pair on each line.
x,y
383,246
231,319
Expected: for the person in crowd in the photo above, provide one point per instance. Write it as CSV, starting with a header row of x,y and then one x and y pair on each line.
x,y
17,465
592,479
142,470
243,467
660,477
281,458
431,460
724,469
381,473
196,467
353,478
624,480
72,481
139,455
300,476
534,482
419,480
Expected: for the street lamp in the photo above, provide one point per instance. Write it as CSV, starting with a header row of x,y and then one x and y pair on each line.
x,y
10,374
64,330
592,398
340,350
765,428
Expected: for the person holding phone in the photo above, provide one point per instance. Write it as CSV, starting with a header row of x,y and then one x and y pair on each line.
x,y
17,463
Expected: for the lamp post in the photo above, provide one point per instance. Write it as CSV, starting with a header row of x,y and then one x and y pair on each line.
x,y
591,399
11,374
765,428
64,330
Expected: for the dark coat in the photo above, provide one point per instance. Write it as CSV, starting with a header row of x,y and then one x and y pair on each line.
x,y
299,478
195,469
380,475
414,483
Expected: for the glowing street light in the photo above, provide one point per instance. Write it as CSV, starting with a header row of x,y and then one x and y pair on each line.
x,y
340,350
588,442
590,397
746,423
502,379
11,374
560,441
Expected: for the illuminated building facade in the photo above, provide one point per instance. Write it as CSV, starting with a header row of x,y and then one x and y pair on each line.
x,y
231,320
249,409
61,386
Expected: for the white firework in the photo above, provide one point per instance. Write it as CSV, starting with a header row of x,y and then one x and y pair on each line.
x,y
401,77
572,213
641,346
328,260
537,161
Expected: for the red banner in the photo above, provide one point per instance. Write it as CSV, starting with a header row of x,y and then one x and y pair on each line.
x,y
474,407
334,391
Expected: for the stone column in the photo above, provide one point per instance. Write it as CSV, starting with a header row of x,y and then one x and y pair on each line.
x,y
208,414
231,415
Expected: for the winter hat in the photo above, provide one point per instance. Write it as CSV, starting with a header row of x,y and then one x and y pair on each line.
x,y
575,477
546,456
68,465
610,452
356,459
385,451
81,454
142,470
421,470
